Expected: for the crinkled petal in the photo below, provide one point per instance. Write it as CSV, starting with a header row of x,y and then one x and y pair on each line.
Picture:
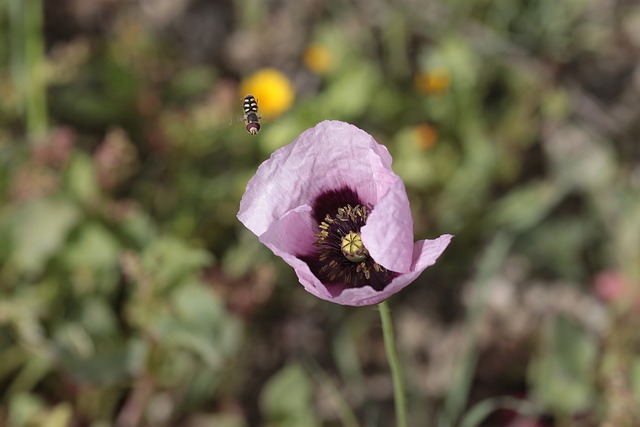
x,y
388,234
291,235
330,155
426,252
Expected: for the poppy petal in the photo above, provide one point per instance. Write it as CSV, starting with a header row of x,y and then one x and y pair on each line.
x,y
329,156
426,252
388,234
289,236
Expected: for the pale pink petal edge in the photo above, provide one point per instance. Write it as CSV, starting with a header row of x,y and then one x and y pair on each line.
x,y
426,252
388,233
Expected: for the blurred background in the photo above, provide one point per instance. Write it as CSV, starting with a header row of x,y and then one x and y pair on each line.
x,y
130,295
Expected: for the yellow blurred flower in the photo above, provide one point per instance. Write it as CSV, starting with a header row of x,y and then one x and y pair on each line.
x,y
425,136
434,81
318,58
272,89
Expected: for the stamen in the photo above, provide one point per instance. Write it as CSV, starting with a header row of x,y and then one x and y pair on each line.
x,y
341,257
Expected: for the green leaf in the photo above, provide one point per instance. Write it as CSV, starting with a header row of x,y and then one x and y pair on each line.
x,y
98,317
561,374
201,325
350,93
95,248
92,259
108,364
526,206
481,410
41,228
138,226
287,398
560,244
171,260
81,178
23,408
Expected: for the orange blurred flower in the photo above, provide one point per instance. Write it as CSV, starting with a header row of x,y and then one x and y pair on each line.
x,y
425,136
318,58
272,89
433,81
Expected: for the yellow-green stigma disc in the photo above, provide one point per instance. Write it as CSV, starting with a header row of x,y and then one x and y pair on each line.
x,y
352,247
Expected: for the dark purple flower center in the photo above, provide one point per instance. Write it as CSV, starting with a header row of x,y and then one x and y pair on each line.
x,y
341,258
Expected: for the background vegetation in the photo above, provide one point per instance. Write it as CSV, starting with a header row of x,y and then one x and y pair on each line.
x,y
130,295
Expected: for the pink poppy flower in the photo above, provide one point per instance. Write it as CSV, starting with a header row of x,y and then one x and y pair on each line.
x,y
330,206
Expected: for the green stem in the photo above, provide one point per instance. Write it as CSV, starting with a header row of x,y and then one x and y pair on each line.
x,y
394,364
35,62
28,62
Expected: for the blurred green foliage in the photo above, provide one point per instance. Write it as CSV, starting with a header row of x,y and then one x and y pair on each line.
x,y
287,398
562,376
130,295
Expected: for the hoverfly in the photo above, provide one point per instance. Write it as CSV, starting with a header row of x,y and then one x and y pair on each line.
x,y
251,116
